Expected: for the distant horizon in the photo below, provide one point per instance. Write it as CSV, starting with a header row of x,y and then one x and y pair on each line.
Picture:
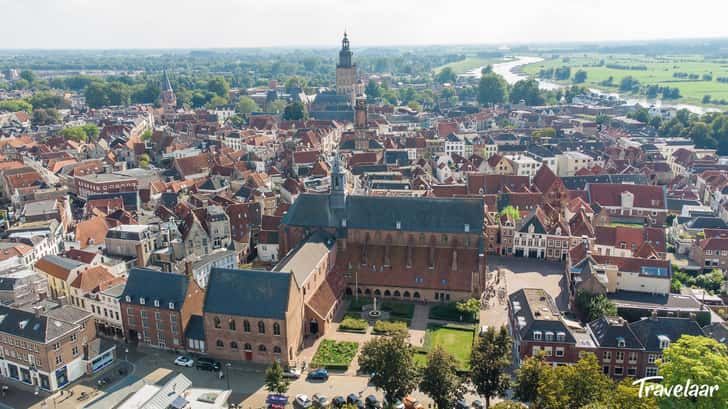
x,y
262,24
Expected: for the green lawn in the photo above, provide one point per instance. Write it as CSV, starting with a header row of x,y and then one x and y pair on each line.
x,y
401,311
659,72
455,339
334,355
449,312
463,66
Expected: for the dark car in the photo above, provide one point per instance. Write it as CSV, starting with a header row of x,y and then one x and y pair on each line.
x,y
338,401
352,399
462,404
318,374
207,364
372,402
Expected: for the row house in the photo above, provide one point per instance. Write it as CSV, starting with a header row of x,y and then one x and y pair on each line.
x,y
50,349
624,201
103,183
623,241
539,237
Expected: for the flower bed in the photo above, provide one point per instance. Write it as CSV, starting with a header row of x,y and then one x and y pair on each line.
x,y
350,324
389,327
334,355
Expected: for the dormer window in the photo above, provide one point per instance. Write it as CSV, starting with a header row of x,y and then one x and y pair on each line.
x,y
399,225
127,299
537,335
561,336
664,341
141,300
620,342
549,336
156,303
171,306
467,228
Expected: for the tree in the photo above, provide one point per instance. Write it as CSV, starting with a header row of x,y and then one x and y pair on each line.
x,y
471,307
414,105
219,86
529,376
703,361
389,360
440,380
710,281
486,70
628,84
511,211
706,99
295,112
545,133
91,131
295,85
74,133
574,386
144,160
446,75
29,76
593,306
602,119
580,76
15,105
274,380
147,135
492,89
48,116
527,91
96,95
508,404
246,105
276,106
489,361
372,90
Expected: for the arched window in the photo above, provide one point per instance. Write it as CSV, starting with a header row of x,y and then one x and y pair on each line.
x,y
368,291
261,327
261,348
246,326
416,295
248,347
233,345
276,329
217,322
377,292
387,293
406,294
396,293
219,343
231,325
276,350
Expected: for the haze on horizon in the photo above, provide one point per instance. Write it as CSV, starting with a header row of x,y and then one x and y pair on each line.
x,y
111,24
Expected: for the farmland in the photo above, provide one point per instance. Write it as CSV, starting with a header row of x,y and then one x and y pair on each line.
x,y
663,71
463,66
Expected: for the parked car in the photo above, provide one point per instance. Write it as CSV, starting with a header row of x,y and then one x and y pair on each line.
x,y
318,374
184,361
303,401
462,404
338,402
483,330
352,399
292,373
208,364
372,402
320,401
412,403
477,404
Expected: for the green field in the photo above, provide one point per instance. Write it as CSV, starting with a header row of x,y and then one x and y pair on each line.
x,y
463,66
456,340
659,72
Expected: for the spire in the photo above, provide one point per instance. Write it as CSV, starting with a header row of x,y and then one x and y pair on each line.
x,y
166,85
337,197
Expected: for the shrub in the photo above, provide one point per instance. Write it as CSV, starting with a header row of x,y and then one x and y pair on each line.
x,y
449,312
390,327
356,324
334,355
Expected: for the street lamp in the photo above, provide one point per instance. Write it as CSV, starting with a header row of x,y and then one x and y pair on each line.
x,y
227,373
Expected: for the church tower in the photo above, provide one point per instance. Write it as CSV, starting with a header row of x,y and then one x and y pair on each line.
x,y
346,74
169,100
337,197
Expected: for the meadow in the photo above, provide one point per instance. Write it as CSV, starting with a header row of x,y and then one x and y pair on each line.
x,y
463,66
657,70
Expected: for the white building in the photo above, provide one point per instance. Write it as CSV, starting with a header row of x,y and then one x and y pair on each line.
x,y
524,165
570,162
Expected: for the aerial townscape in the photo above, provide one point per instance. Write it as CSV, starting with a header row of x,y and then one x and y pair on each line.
x,y
349,226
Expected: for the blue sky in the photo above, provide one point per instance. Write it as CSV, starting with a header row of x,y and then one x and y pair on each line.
x,y
262,23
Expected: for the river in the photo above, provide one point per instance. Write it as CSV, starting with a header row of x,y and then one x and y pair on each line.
x,y
510,70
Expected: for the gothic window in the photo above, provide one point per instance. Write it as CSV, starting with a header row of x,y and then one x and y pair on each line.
x,y
246,326
217,322
276,329
262,348
276,349
233,345
220,344
248,347
261,327
231,325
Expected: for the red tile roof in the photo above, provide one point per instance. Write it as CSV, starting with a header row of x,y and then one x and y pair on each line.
x,y
610,194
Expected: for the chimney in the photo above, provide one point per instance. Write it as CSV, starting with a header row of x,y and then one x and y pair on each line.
x,y
140,260
38,310
188,268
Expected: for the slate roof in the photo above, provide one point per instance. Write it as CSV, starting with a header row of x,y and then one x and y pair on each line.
x,y
155,285
647,330
302,261
607,330
38,328
248,293
539,313
579,182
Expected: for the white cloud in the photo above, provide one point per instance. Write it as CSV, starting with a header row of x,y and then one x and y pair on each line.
x,y
246,23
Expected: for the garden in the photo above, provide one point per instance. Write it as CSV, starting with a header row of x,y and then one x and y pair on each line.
x,y
335,355
455,339
398,311
454,311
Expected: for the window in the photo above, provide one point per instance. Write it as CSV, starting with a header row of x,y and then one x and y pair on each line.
x,y
560,351
607,356
248,347
261,348
156,303
548,351
219,343
73,337
560,336
276,350
74,350
59,359
605,369
141,301
276,329
620,342
632,371
537,335
261,327
233,345
217,322
535,350
231,325
651,358
651,371
632,357
171,306
619,356
246,326
549,336
127,299
664,341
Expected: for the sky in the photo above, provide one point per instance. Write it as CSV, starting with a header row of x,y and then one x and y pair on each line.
x,y
108,24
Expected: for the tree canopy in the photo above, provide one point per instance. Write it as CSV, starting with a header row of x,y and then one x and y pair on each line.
x,y
274,380
489,362
389,360
440,380
492,89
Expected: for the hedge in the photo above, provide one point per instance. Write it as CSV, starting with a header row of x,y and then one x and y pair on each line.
x,y
334,355
449,312
389,327
353,324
